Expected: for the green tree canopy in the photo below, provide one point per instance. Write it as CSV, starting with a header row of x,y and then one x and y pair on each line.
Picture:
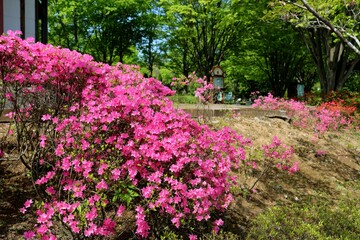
x,y
201,32
270,57
330,30
105,29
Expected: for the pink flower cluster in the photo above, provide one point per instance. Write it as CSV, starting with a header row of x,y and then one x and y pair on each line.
x,y
204,92
279,151
204,89
39,82
318,119
113,142
43,69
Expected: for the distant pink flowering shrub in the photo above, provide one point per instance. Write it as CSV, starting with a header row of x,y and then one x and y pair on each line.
x,y
203,90
276,153
318,119
282,154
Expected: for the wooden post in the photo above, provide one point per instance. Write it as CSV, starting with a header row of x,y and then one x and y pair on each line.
x,y
37,5
22,18
1,16
41,21
44,21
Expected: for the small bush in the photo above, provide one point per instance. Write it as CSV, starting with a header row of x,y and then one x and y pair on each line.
x,y
308,222
321,119
347,98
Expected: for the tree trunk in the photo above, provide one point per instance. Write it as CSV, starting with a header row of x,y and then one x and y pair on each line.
x,y
333,60
150,57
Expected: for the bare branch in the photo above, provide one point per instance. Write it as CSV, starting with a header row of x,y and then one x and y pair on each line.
x,y
355,39
297,5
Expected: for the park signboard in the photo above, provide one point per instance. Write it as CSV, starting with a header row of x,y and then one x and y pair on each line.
x,y
217,76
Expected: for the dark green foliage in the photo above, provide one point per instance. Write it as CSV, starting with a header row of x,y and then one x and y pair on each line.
x,y
105,29
201,33
335,53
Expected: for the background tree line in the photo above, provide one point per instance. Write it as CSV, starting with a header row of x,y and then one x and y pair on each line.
x,y
263,45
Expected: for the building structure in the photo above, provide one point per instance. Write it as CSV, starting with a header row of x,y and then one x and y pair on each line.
x,y
28,16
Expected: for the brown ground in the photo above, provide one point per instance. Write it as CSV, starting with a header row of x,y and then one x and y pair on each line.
x,y
331,176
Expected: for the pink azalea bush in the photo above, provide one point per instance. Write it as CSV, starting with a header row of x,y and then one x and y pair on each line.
x,y
105,141
318,119
276,154
35,80
204,92
131,149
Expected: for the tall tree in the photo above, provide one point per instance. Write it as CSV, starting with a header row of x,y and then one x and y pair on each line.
x,y
330,30
202,31
66,27
153,43
270,56
105,29
282,57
